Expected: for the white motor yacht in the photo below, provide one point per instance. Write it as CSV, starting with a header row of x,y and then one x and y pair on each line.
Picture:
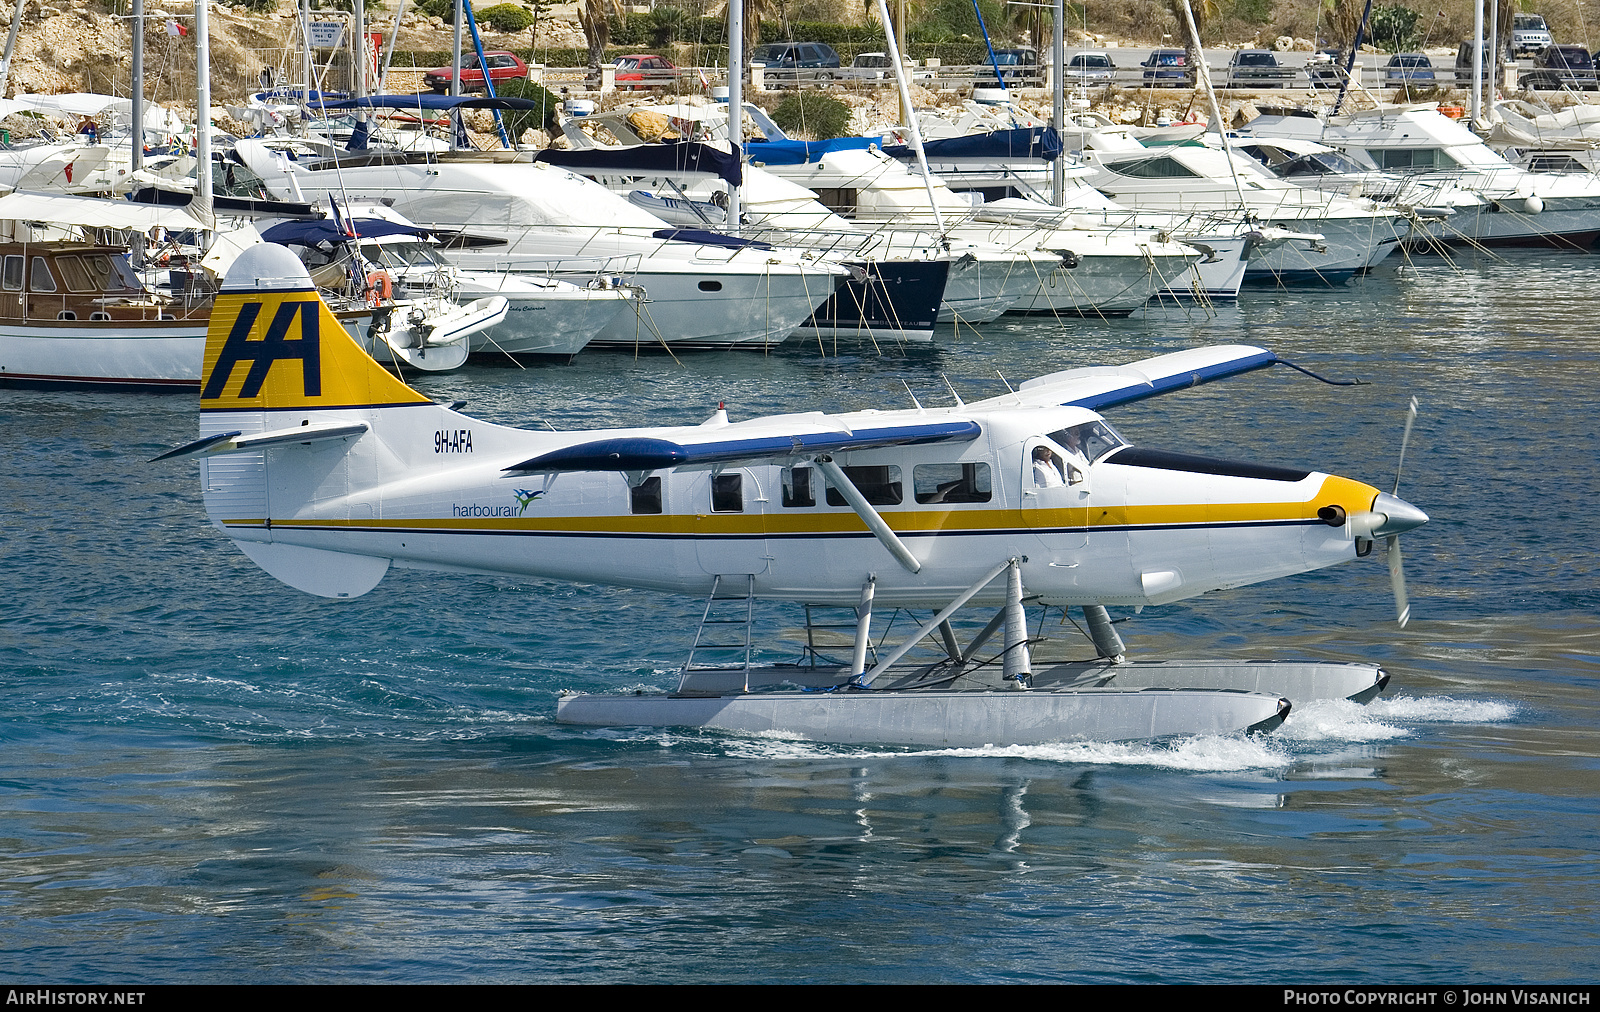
x,y
704,290
982,282
1520,208
1191,176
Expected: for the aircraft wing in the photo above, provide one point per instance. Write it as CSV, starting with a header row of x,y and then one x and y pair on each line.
x,y
1099,387
730,444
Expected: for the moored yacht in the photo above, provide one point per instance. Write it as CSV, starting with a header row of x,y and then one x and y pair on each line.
x,y
1191,176
704,290
1519,208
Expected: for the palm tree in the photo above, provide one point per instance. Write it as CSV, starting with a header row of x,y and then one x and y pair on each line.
x,y
594,17
1031,18
1204,11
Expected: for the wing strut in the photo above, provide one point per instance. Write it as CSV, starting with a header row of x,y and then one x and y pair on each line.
x,y
869,516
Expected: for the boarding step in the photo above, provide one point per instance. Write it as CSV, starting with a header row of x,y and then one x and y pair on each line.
x,y
719,660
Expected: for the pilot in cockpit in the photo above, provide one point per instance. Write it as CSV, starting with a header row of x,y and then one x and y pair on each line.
x,y
1046,472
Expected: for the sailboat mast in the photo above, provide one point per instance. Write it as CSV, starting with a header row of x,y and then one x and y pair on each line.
x,y
1477,60
1058,99
911,114
137,155
305,54
735,103
202,117
11,46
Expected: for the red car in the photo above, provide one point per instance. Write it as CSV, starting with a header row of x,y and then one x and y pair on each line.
x,y
645,70
503,66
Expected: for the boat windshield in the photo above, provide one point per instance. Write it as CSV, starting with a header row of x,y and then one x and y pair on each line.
x,y
402,255
1092,439
1317,163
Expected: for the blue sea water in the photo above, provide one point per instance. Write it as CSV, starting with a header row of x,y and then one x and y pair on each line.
x,y
209,777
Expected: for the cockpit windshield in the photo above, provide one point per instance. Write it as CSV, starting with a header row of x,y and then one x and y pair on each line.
x,y
1091,439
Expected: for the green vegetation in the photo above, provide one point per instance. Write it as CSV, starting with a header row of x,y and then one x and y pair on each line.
x,y
504,17
517,120
1394,28
813,114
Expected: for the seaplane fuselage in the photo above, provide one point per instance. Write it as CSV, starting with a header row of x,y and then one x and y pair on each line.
x,y
326,470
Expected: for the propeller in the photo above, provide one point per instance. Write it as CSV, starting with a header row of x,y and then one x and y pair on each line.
x,y
1390,517
1397,576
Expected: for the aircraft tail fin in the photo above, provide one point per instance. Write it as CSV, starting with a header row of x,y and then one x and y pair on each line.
x,y
275,357
274,345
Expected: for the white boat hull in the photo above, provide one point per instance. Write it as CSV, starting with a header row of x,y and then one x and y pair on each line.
x,y
152,355
980,291
558,322
1105,285
743,309
1349,246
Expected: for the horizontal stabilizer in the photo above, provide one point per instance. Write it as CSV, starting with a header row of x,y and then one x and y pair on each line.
x,y
234,442
1097,388
650,453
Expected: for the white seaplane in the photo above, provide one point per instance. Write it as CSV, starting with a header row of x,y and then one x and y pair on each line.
x,y
326,470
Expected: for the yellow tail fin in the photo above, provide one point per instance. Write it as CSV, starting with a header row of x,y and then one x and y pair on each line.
x,y
274,345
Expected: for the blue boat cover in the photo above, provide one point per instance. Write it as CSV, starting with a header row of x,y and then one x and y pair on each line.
x,y
803,152
1042,143
307,233
678,156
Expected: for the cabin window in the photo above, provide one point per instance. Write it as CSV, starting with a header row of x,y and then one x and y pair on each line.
x,y
66,314
952,483
727,493
711,286
41,280
12,278
75,275
879,485
1411,158
100,270
99,316
838,199
645,497
797,490
1163,167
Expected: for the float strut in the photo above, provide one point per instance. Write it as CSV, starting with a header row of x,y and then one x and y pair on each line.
x,y
1106,641
858,662
1018,665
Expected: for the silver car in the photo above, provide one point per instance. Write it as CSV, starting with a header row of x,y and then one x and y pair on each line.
x,y
1091,68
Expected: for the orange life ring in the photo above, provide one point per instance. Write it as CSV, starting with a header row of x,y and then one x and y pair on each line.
x,y
380,288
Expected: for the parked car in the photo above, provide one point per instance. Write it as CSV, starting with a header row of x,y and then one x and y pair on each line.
x,y
1325,68
876,67
797,61
1529,34
1257,68
1019,66
503,66
1562,68
1091,68
1464,62
1405,70
645,70
1166,68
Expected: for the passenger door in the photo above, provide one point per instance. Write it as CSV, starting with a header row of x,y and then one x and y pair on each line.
x,y
730,522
